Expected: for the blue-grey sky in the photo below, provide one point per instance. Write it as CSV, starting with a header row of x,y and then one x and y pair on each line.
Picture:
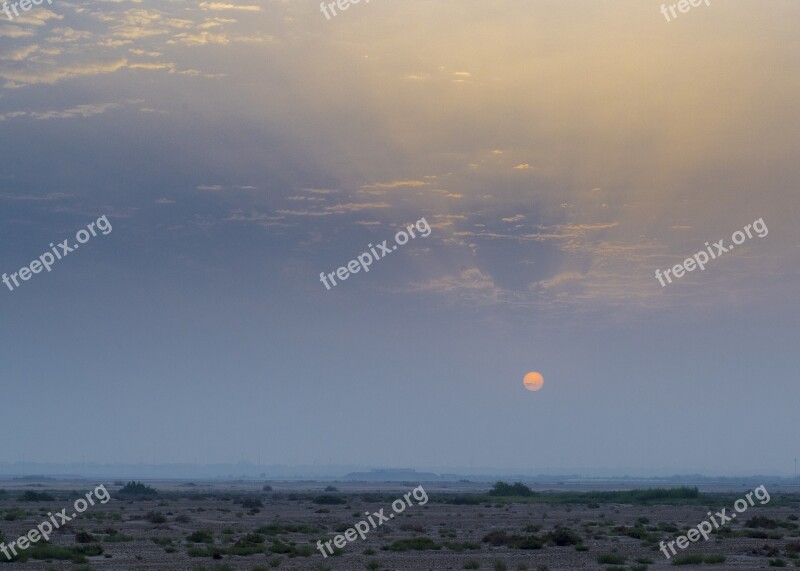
x,y
560,150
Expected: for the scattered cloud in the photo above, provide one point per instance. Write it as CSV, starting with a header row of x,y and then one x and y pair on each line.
x,y
398,184
218,6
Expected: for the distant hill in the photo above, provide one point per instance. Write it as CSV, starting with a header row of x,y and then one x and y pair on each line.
x,y
392,476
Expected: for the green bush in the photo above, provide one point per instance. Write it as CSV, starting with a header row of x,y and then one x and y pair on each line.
x,y
562,536
681,495
499,538
515,489
137,489
201,536
533,528
251,503
84,537
688,560
458,547
45,551
156,517
610,559
413,544
793,548
278,529
761,521
281,548
31,496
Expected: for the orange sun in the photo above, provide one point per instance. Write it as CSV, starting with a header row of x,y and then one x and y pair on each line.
x,y
533,381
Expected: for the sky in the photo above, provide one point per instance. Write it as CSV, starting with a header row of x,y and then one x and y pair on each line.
x,y
557,152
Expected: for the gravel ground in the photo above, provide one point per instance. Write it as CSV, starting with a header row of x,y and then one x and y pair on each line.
x,y
154,530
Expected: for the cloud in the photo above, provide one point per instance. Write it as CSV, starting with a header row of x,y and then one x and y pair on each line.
x,y
560,279
15,32
218,187
20,54
398,184
23,77
224,6
68,36
356,207
51,196
200,39
38,17
77,111
303,213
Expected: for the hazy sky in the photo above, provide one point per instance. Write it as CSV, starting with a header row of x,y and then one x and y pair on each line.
x,y
561,150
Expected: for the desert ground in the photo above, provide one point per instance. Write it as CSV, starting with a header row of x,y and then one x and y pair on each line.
x,y
276,525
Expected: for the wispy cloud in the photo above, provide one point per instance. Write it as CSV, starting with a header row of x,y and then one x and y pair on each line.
x,y
220,6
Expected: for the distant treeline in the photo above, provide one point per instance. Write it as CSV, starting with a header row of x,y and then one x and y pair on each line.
x,y
515,489
519,492
645,495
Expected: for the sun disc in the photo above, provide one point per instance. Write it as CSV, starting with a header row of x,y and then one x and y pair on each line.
x,y
533,381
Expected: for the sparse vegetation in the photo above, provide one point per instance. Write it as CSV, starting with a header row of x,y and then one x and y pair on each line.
x,y
31,496
290,528
137,489
329,500
413,544
156,517
515,489
84,537
695,559
201,536
610,559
